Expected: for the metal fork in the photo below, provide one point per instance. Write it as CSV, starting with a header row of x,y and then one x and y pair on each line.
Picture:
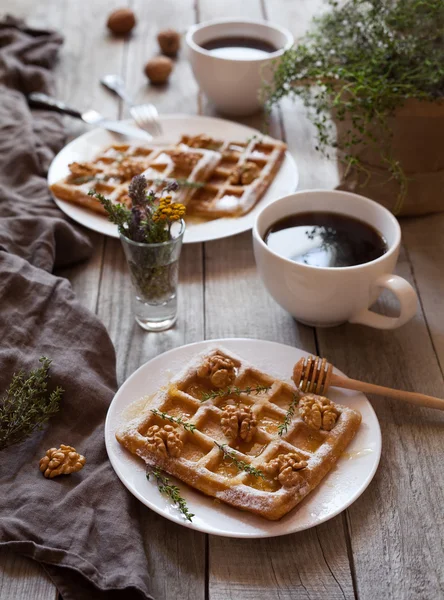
x,y
145,115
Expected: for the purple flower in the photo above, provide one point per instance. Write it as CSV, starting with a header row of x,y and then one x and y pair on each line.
x,y
137,190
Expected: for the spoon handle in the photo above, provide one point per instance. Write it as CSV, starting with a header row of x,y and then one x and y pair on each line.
x,y
370,388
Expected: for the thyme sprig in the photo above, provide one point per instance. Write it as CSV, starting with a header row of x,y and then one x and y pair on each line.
x,y
289,416
235,391
171,491
240,464
163,415
27,405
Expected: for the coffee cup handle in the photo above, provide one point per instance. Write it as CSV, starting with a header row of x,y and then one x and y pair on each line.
x,y
408,303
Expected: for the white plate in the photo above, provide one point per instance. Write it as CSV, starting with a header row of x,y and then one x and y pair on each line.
x,y
342,486
88,145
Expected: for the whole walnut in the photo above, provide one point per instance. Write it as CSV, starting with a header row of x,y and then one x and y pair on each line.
x,y
169,41
121,21
159,69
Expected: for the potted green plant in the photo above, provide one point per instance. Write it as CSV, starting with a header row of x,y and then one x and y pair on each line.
x,y
377,68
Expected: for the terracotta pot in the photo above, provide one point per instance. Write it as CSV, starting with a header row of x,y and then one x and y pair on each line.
x,y
417,143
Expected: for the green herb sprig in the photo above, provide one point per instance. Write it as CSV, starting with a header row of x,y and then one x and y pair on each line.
x,y
171,491
235,391
240,464
163,415
283,427
27,405
117,213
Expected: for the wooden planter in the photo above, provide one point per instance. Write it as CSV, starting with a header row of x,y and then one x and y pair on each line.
x,y
418,144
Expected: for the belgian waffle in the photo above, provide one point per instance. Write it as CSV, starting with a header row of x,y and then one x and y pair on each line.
x,y
243,425
223,178
111,172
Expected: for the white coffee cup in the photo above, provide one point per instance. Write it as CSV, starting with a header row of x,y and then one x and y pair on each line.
x,y
322,296
234,85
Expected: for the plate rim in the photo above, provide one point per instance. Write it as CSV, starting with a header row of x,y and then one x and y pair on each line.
x,y
63,204
176,518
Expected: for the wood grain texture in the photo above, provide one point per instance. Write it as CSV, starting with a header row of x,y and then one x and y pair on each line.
x,y
315,170
397,526
424,242
23,579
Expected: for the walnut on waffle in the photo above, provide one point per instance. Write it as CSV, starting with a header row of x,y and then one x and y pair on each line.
x,y
223,422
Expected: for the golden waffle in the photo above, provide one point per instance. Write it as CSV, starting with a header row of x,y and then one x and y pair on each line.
x,y
223,179
111,172
242,176
247,425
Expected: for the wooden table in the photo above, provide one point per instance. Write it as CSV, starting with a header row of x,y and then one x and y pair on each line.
x,y
389,543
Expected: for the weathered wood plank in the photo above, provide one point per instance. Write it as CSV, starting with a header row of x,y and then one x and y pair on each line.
x,y
396,527
22,579
312,564
423,240
315,171
176,555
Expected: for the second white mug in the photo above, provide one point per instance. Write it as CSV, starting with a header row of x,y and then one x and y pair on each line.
x,y
234,84
323,296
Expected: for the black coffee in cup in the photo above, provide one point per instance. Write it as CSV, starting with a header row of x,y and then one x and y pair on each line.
x,y
239,47
325,239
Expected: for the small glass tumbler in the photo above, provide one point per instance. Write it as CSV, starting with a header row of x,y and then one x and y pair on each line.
x,y
154,270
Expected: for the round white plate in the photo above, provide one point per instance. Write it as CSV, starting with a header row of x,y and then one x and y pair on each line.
x,y
88,145
342,486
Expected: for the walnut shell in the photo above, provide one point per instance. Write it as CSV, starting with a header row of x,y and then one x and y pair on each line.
x,y
121,21
169,41
159,69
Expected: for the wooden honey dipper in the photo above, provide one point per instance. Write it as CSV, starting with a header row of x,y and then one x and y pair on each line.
x,y
315,375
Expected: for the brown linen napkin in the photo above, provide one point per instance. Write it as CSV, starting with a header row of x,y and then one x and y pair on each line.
x,y
83,528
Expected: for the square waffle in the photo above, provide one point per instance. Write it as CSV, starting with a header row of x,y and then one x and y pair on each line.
x,y
230,176
110,173
244,426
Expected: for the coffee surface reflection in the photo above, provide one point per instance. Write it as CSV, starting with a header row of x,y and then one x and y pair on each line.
x,y
325,239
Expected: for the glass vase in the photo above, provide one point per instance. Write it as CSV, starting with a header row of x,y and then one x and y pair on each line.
x,y
154,270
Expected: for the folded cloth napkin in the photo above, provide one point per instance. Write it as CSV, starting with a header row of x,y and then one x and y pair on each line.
x,y
83,528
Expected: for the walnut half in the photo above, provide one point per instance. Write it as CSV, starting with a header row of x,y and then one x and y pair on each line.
x,y
318,412
185,160
238,421
219,369
287,467
83,169
244,174
61,461
164,440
